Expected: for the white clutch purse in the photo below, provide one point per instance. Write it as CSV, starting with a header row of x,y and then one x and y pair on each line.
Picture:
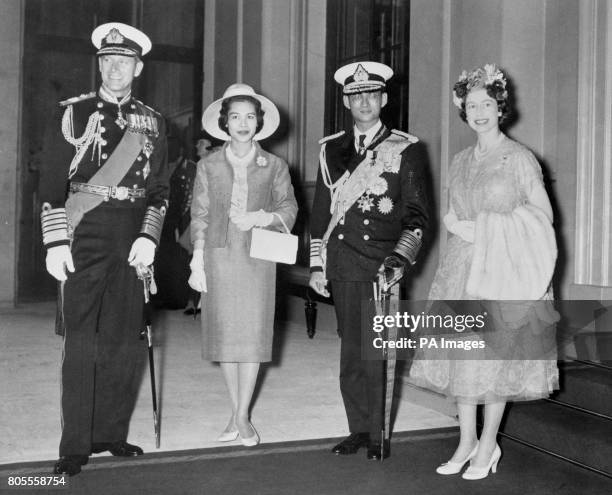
x,y
274,246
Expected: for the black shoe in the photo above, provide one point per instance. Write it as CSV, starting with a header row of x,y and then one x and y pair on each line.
x,y
192,311
352,443
119,449
374,451
70,464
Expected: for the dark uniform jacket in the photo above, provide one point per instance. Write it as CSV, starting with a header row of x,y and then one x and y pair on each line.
x,y
149,172
371,228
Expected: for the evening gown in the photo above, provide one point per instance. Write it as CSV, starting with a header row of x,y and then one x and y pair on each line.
x,y
509,265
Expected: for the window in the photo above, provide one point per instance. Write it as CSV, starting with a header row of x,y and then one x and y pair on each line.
x,y
376,30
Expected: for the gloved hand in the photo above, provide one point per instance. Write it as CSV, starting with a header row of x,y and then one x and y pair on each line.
x,y
318,283
142,252
252,219
462,228
59,259
391,271
197,279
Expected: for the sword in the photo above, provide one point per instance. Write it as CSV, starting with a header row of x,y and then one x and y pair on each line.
x,y
145,274
383,292
197,297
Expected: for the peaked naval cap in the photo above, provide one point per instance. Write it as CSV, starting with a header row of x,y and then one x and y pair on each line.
x,y
116,38
362,77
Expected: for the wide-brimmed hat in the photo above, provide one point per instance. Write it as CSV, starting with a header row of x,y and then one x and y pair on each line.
x,y
210,117
361,77
116,38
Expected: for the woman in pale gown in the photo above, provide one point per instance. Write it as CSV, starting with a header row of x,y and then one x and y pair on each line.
x,y
238,187
501,247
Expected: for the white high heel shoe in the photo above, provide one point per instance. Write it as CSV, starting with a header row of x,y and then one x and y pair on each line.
x,y
252,440
474,473
228,436
231,434
451,467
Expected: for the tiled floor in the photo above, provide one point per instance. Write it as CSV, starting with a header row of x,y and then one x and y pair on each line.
x,y
298,396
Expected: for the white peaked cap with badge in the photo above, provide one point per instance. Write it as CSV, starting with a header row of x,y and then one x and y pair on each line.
x,y
362,77
210,117
116,38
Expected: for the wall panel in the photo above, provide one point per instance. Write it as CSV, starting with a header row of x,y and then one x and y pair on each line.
x,y
11,50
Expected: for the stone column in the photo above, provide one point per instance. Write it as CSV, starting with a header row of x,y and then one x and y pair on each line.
x,y
11,53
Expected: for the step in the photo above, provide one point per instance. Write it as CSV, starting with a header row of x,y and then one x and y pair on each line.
x,y
576,435
586,386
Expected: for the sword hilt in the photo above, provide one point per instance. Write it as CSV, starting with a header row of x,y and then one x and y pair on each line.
x,y
145,273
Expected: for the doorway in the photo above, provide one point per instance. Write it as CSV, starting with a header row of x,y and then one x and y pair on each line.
x,y
376,30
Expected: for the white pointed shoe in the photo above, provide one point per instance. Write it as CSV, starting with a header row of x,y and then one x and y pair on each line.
x,y
252,440
474,473
228,436
451,467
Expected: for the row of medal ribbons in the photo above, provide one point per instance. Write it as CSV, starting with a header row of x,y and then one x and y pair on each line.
x,y
142,123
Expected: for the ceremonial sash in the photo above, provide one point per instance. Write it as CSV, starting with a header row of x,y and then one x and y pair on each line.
x,y
110,174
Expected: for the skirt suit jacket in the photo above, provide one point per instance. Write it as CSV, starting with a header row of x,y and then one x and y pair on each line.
x,y
269,186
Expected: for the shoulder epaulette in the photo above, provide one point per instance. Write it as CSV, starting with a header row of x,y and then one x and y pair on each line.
x,y
410,137
329,138
76,99
147,106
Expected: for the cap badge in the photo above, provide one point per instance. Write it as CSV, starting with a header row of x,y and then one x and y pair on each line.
x,y
114,36
361,74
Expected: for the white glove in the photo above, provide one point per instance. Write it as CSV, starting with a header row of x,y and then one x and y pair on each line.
x,y
197,279
252,219
465,229
391,271
59,259
462,228
142,252
318,283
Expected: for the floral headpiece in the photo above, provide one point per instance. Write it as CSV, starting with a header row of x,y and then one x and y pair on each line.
x,y
481,77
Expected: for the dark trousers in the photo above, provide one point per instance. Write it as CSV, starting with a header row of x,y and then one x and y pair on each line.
x,y
103,356
361,380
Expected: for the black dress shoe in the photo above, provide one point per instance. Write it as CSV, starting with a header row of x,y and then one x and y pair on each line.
x,y
192,311
119,449
375,453
352,443
70,464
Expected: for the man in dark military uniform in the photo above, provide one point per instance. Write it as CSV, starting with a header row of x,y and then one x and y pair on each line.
x,y
368,219
97,236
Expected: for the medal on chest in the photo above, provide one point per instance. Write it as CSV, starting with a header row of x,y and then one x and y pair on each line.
x,y
375,186
146,170
147,150
144,124
120,120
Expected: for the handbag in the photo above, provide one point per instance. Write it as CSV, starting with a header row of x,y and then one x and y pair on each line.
x,y
278,247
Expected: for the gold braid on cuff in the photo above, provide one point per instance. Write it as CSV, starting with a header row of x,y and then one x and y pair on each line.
x,y
153,223
54,224
409,244
315,254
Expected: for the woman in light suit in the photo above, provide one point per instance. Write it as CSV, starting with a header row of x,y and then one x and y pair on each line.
x,y
238,187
